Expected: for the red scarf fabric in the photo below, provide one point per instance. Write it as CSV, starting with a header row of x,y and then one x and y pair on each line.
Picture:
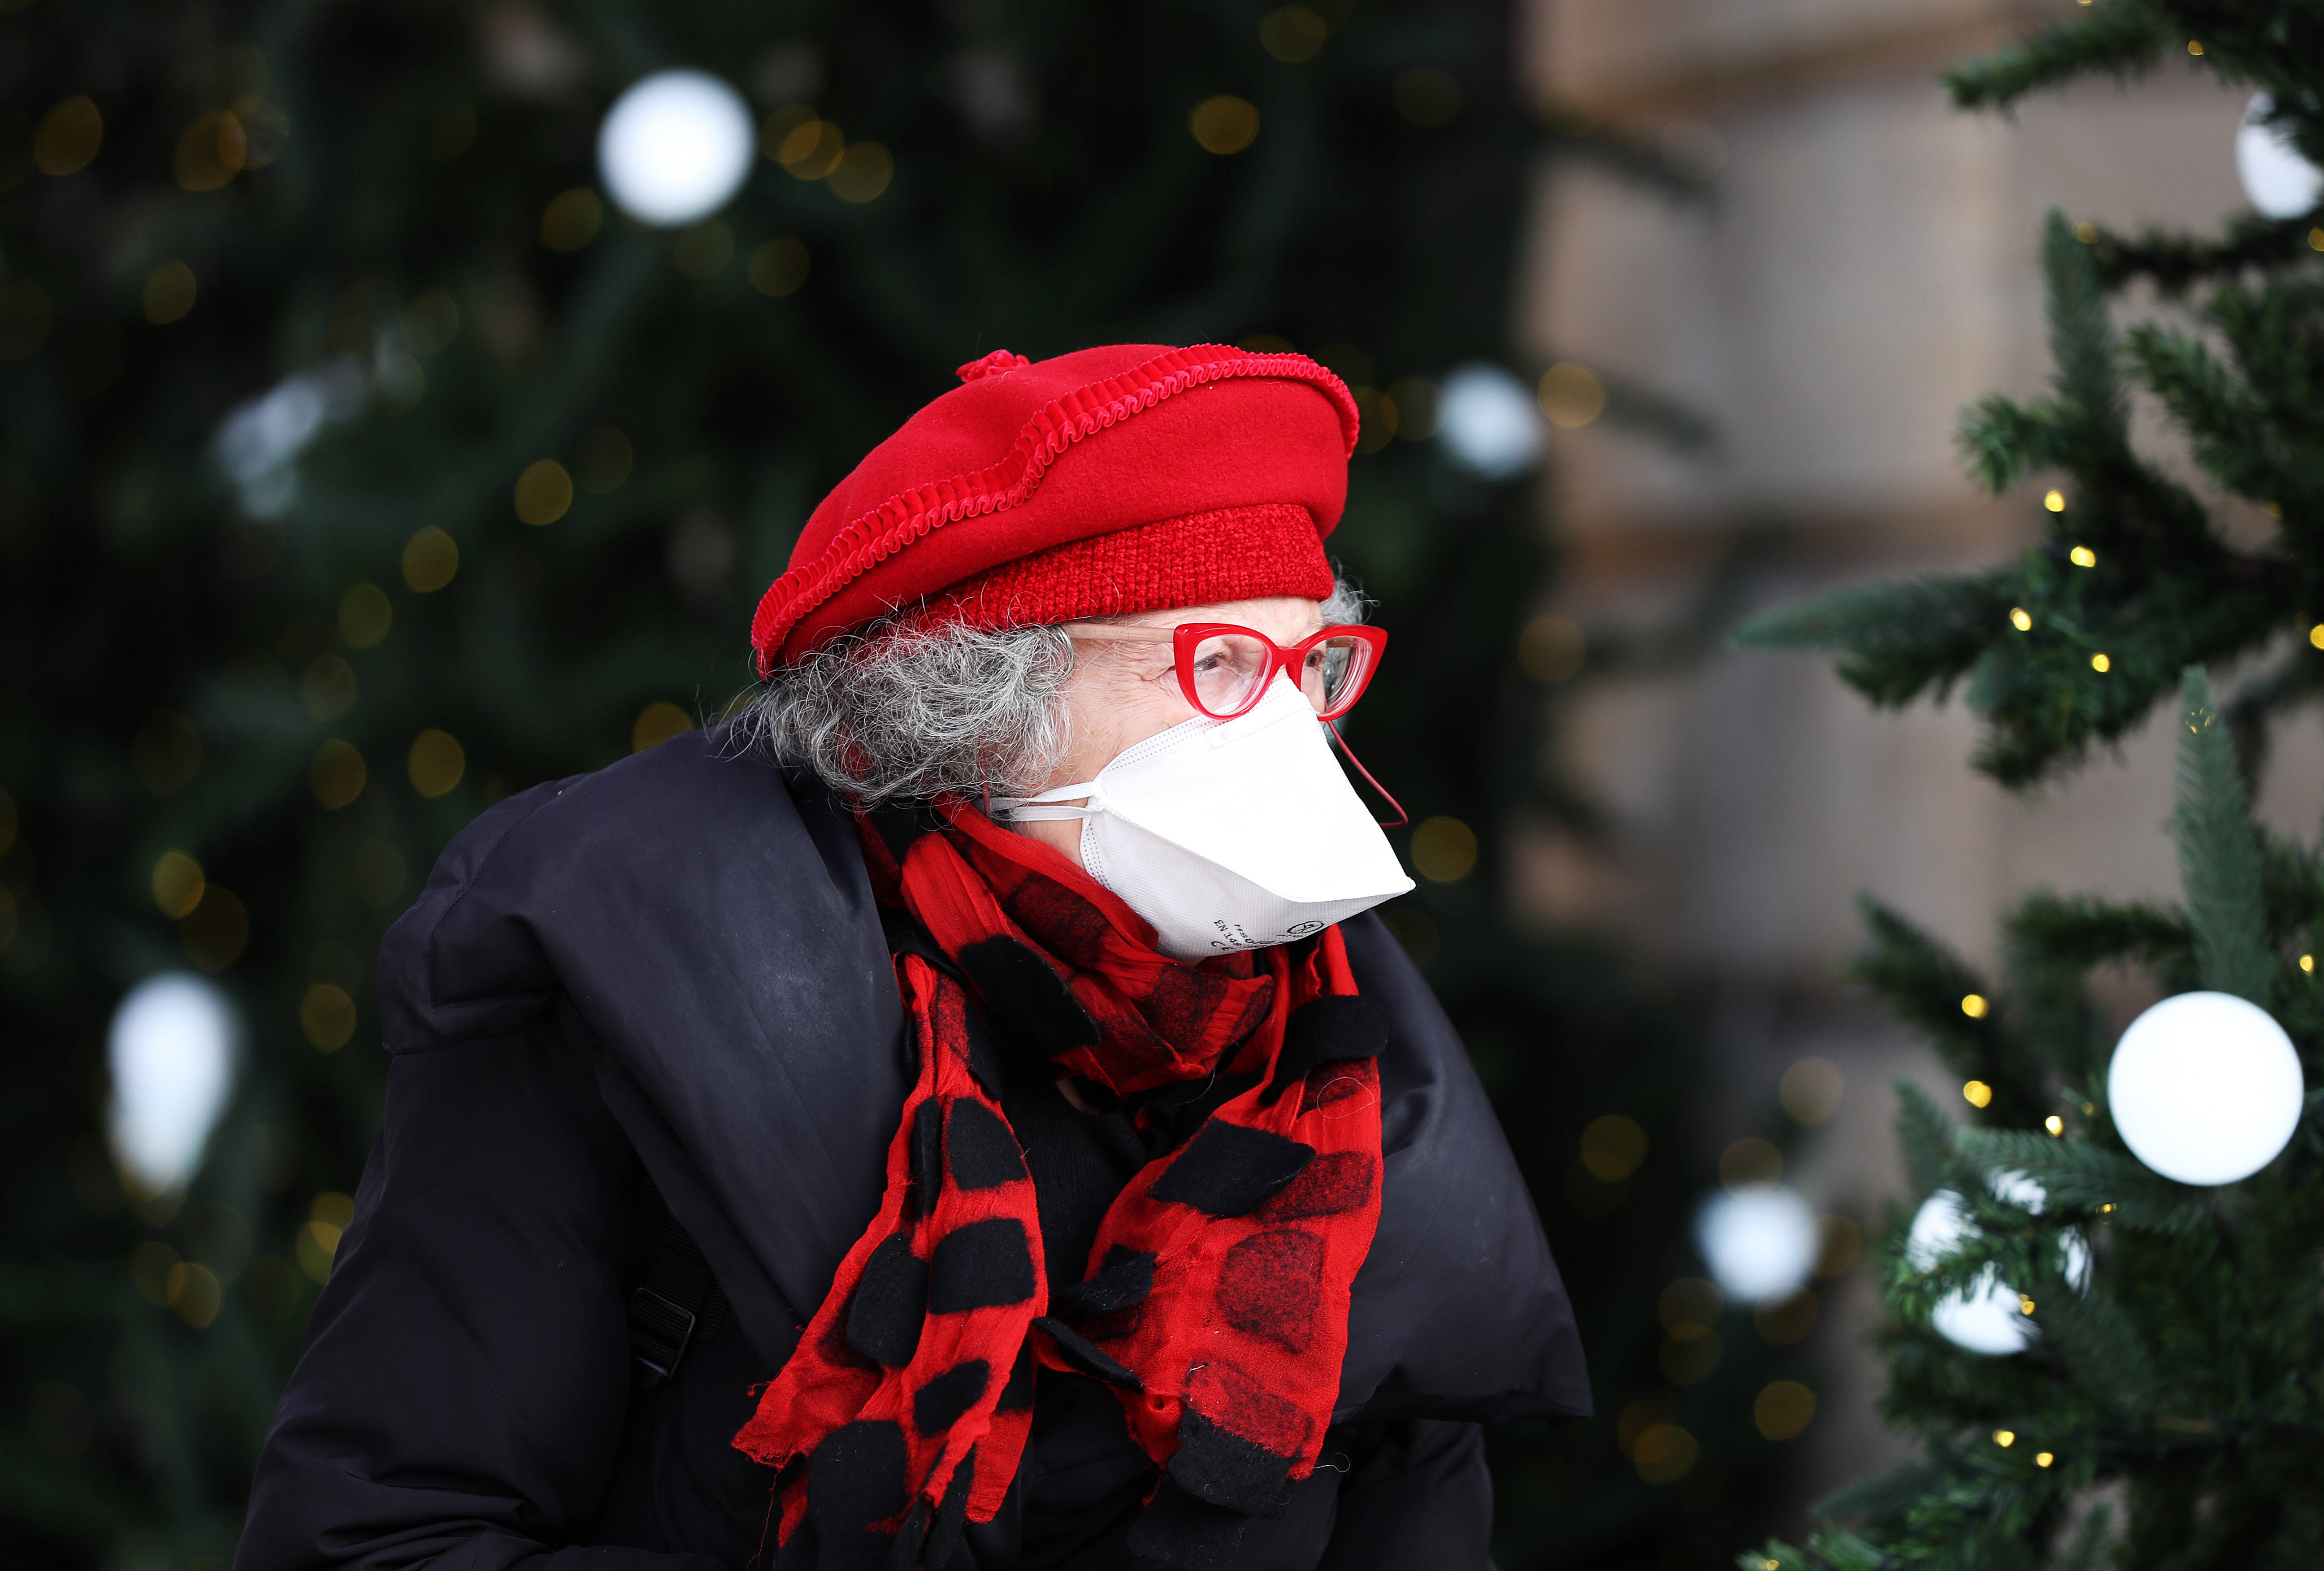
x,y
1215,1298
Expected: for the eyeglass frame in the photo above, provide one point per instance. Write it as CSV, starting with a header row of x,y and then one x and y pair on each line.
x,y
1184,638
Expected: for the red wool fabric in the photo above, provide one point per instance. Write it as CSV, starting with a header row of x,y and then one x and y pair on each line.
x,y
1215,1299
1025,457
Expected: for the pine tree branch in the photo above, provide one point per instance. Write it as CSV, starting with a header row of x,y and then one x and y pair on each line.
x,y
2173,262
2121,37
2103,1350
2078,1175
2219,861
1896,640
1925,982
1926,1135
2076,932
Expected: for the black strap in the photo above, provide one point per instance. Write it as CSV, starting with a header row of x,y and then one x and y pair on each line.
x,y
675,1301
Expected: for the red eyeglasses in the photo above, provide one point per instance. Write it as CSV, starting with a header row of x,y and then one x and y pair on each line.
x,y
1224,671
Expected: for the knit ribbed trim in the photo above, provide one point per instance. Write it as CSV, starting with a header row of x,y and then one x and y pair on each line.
x,y
876,535
1205,558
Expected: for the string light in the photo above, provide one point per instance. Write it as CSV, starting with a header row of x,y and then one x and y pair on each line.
x,y
2020,619
2307,963
1973,1005
2083,557
2316,633
2054,499
2044,1458
2099,663
2054,1124
1977,1093
2005,1439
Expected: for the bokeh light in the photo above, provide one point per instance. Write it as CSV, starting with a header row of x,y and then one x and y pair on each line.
x,y
170,1055
676,147
1759,1239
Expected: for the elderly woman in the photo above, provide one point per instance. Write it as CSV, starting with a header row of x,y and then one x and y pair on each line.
x,y
957,1114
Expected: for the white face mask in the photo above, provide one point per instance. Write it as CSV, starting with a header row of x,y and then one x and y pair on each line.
x,y
1229,834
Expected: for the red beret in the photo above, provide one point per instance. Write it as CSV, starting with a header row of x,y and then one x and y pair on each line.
x,y
1045,491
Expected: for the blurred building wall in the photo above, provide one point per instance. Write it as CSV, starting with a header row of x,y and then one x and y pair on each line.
x,y
1860,262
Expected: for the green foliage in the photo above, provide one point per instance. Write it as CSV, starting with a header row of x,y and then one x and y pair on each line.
x,y
2219,856
2081,639
2178,1361
2185,1375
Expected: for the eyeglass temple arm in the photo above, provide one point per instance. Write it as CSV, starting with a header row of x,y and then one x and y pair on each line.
x,y
1402,818
1105,630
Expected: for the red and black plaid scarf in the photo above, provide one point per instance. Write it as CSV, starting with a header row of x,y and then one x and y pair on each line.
x,y
1215,1298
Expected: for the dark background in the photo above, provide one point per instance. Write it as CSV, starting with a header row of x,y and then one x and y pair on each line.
x,y
194,663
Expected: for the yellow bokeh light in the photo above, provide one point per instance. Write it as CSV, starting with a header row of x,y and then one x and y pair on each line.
x,y
862,172
1783,1408
1973,1004
1224,124
2054,1124
365,615
1443,850
1425,96
430,558
178,883
778,267
2005,1437
2316,635
435,762
1664,1453
2044,1458
2083,557
2308,963
212,151
657,723
337,774
1292,33
169,292
328,1016
68,137
1572,396
571,220
2020,619
543,492
2054,499
1811,1090
1977,1093
1612,1147
2100,663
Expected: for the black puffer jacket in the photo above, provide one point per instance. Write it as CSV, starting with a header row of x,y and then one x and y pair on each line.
x,y
674,970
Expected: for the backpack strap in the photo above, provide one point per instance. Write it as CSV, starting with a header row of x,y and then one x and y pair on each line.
x,y
675,1301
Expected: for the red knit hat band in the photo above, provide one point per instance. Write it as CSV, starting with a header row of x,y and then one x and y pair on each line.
x,y
1207,559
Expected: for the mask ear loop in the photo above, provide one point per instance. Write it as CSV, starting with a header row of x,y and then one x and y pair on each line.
x,y
1402,818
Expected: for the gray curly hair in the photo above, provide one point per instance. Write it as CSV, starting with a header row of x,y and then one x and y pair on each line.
x,y
898,713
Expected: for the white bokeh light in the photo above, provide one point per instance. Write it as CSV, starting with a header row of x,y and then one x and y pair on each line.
x,y
1986,1316
1759,1241
1487,420
2205,1088
171,1054
676,147
2280,183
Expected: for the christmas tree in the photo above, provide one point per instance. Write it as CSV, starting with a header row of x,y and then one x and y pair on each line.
x,y
2104,1332
361,462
